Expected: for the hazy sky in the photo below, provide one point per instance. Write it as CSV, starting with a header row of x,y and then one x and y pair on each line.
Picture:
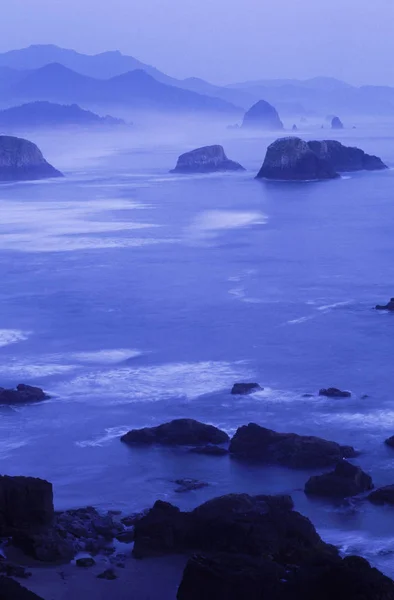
x,y
219,40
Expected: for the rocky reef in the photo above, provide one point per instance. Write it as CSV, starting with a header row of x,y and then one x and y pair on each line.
x,y
23,394
208,159
345,481
293,159
262,115
180,432
21,160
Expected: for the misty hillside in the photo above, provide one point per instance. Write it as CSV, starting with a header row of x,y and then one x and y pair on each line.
x,y
135,89
100,66
46,114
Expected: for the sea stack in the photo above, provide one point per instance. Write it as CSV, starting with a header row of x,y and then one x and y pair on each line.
x,y
336,123
208,159
262,115
292,159
21,160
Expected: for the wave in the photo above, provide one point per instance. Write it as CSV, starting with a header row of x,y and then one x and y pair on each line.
x,y
12,336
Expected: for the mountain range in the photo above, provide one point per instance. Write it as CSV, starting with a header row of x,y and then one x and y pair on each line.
x,y
50,73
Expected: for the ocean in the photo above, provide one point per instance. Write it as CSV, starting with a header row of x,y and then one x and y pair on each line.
x,y
134,296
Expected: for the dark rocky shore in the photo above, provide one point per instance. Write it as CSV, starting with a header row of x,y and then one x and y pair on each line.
x,y
21,160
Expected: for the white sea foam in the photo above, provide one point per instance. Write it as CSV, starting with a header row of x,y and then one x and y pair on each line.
x,y
153,383
212,220
12,336
106,356
110,434
328,307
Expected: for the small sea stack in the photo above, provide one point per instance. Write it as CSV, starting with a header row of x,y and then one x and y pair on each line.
x,y
262,115
208,159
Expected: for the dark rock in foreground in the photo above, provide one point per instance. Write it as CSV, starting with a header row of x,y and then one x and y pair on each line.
x,y
242,389
257,444
22,395
208,159
389,306
293,159
85,563
390,441
25,503
336,123
334,393
12,590
108,574
227,577
21,160
237,523
345,481
262,115
180,432
383,495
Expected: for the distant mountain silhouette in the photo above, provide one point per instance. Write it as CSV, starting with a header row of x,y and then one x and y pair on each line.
x,y
136,89
47,114
100,66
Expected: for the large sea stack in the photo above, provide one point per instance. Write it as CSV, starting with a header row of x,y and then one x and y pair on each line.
x,y
208,159
262,115
21,160
293,159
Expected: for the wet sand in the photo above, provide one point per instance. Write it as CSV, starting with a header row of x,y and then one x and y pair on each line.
x,y
148,579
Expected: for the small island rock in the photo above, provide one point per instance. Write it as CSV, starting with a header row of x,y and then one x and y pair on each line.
x,y
208,159
180,432
243,389
345,481
336,123
23,394
383,495
21,160
334,393
292,159
262,115
254,443
389,306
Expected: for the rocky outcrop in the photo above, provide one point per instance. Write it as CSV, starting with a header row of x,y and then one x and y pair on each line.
x,y
345,481
262,115
228,577
26,503
334,393
293,159
12,590
22,160
23,394
336,123
208,159
180,432
242,389
383,495
389,306
390,441
253,443
345,158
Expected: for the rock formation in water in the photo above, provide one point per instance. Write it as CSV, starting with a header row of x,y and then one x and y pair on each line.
x,y
180,432
262,115
253,443
345,481
23,394
336,123
390,441
242,389
383,495
21,160
334,393
345,158
208,159
294,128
389,306
25,503
293,159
